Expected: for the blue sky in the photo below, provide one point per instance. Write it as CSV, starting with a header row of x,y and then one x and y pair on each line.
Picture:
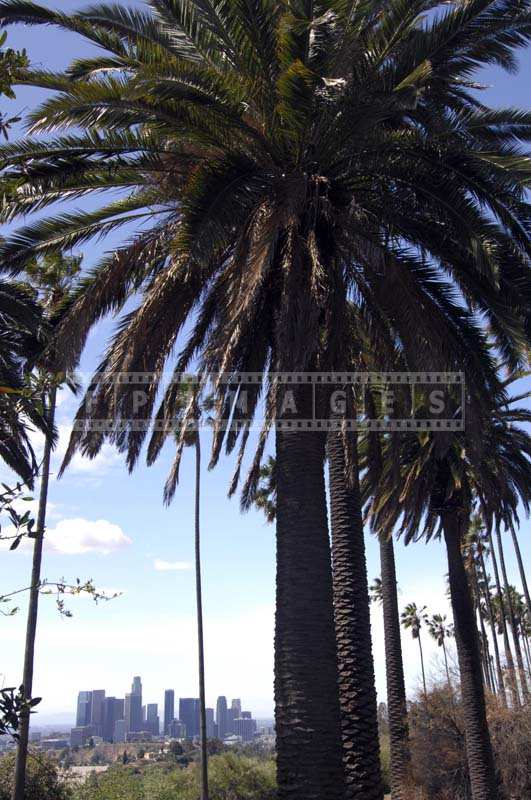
x,y
112,527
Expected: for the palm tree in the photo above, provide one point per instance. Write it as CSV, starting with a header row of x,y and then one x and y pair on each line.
x,y
440,630
434,485
477,540
270,151
413,618
521,570
471,560
52,277
21,325
357,693
385,591
502,619
508,603
190,399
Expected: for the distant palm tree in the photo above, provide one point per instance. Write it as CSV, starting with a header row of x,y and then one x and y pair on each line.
x,y
440,630
508,603
52,277
413,618
190,411
521,569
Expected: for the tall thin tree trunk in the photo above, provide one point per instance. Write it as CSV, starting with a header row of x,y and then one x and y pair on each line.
x,y
513,685
483,778
492,624
483,637
512,621
357,692
33,607
521,569
419,637
394,670
446,667
525,643
309,753
200,638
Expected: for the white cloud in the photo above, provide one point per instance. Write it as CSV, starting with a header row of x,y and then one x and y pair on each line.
x,y
171,566
79,536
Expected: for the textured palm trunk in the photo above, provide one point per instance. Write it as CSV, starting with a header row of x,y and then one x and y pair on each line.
x,y
512,621
200,637
448,679
484,645
521,569
357,692
309,754
394,671
33,608
513,685
419,638
492,625
483,779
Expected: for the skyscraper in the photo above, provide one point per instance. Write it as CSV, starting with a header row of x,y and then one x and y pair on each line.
x,y
221,717
114,711
236,705
133,712
189,715
245,728
210,725
136,687
97,715
152,719
84,709
169,709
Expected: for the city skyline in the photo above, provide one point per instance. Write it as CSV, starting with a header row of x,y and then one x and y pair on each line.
x,y
113,719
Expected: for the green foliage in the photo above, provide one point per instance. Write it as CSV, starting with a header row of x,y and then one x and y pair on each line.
x,y
231,778
12,63
42,778
12,705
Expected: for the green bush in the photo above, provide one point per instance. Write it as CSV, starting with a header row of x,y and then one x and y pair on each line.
x,y
42,780
232,777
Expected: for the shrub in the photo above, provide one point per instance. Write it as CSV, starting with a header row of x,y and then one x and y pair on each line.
x,y
42,779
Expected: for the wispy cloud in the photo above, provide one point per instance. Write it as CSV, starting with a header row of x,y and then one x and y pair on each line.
x,y
171,566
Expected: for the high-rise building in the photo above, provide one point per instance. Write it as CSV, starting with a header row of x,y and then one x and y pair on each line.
x,y
114,710
245,728
230,717
84,709
221,717
236,705
98,711
136,687
80,735
152,719
133,712
176,729
189,715
246,715
210,724
119,731
169,709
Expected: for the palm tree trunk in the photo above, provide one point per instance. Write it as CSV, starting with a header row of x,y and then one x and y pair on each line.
x,y
447,670
492,624
513,686
200,638
309,758
483,778
33,607
512,621
357,692
526,647
422,667
521,569
394,670
483,643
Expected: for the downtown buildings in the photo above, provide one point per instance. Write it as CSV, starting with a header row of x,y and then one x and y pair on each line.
x,y
112,719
